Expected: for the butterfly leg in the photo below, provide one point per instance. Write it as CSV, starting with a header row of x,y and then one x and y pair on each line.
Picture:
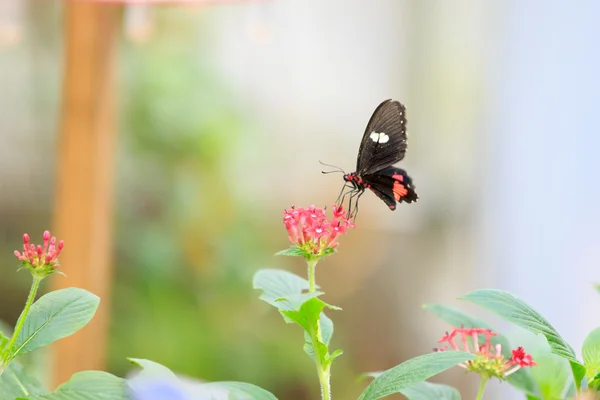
x,y
356,203
350,192
342,192
355,193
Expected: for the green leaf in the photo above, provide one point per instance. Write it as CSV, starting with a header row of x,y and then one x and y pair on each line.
x,y
521,379
54,316
336,354
307,317
293,251
429,391
308,314
5,332
552,375
287,292
412,372
591,353
239,391
327,251
326,325
152,370
15,382
594,383
515,310
89,385
282,289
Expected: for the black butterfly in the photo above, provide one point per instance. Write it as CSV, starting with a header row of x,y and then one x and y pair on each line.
x,y
382,145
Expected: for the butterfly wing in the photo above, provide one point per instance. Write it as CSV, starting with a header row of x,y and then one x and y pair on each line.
x,y
384,140
392,185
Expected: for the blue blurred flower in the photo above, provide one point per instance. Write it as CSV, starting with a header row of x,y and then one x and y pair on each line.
x,y
157,390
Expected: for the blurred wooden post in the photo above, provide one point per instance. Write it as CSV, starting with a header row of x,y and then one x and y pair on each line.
x,y
84,182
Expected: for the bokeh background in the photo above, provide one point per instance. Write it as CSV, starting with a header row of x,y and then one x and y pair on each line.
x,y
223,112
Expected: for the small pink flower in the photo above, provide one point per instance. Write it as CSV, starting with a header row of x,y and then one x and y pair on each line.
x,y
38,257
338,211
309,228
521,358
490,360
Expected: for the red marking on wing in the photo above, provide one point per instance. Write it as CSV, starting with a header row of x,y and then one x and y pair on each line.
x,y
398,177
399,190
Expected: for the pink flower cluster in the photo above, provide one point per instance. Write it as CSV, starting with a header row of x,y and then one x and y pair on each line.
x,y
41,256
489,357
310,229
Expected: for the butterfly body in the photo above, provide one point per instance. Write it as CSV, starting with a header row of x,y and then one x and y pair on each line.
x,y
383,144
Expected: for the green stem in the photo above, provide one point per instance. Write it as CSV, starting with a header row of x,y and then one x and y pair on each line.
x,y
34,288
322,371
484,380
325,389
311,274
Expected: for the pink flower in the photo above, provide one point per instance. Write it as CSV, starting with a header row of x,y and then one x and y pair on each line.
x,y
38,257
310,230
489,361
522,359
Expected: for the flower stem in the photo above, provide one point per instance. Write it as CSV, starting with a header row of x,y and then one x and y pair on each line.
x,y
484,380
6,356
312,263
325,389
322,371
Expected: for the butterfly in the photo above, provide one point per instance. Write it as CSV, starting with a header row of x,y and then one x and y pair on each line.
x,y
383,144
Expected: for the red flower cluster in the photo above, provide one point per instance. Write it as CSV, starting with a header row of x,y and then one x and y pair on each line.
x,y
489,360
519,357
41,256
309,229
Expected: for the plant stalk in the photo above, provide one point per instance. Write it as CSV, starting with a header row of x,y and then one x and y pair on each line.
x,y
311,274
322,371
32,292
481,387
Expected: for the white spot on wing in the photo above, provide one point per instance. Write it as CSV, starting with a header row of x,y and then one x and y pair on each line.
x,y
379,137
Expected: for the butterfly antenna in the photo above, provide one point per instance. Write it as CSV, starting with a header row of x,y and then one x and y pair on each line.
x,y
337,169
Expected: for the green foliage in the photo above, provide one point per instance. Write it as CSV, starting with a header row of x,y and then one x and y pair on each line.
x,y
16,382
88,385
54,316
552,375
306,252
326,326
282,289
287,292
521,379
412,372
591,357
151,369
293,251
516,311
231,390
429,391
